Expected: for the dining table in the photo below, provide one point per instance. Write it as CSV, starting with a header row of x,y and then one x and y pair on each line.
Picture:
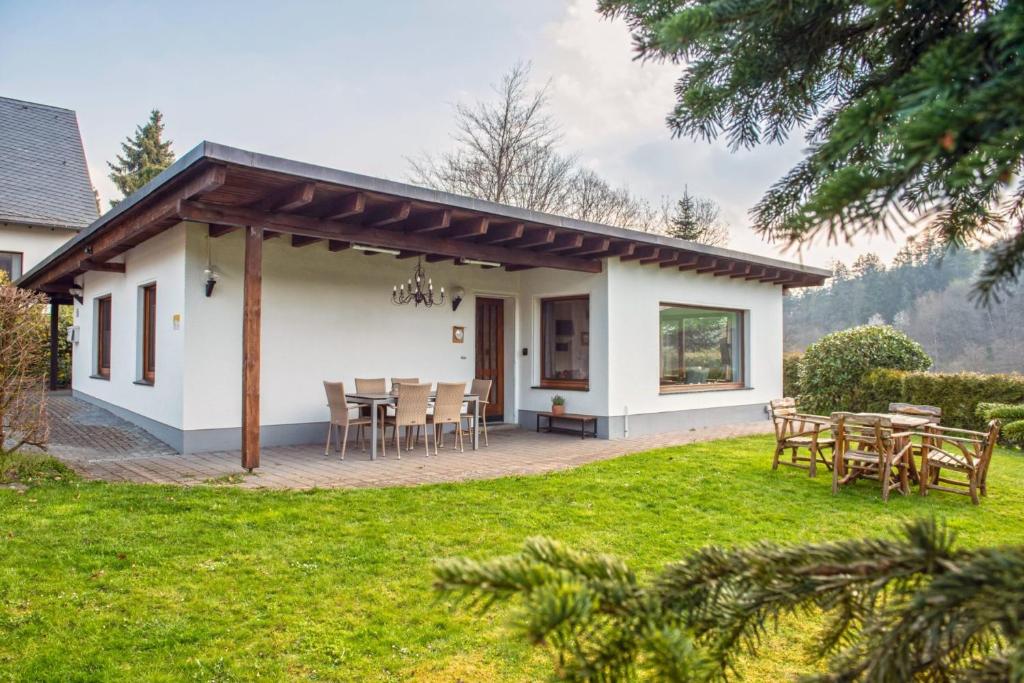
x,y
901,422
375,400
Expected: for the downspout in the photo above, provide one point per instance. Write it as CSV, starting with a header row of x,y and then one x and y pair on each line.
x,y
625,422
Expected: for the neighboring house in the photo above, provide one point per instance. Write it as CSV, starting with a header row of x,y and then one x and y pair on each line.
x,y
647,332
46,196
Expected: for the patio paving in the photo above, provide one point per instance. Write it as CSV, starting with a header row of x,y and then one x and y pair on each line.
x,y
101,446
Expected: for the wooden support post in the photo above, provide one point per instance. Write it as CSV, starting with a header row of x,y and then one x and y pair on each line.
x,y
251,313
54,365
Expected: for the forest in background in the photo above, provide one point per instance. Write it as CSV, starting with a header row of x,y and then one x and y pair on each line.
x,y
924,293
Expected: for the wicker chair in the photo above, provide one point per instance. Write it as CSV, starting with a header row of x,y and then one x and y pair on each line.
x,y
341,418
482,389
448,410
371,386
866,446
958,450
410,412
798,432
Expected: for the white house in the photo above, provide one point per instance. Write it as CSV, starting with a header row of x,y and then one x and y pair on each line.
x,y
46,196
646,332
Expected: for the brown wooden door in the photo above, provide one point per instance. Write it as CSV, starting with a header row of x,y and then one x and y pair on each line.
x,y
490,352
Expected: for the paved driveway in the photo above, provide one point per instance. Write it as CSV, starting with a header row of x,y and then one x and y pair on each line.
x,y
100,445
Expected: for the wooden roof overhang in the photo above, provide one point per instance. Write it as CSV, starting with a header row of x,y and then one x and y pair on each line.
x,y
228,189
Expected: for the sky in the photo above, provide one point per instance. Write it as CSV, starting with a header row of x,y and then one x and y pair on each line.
x,y
364,86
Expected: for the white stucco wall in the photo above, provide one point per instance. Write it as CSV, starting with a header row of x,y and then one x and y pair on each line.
x,y
635,294
160,260
326,316
33,242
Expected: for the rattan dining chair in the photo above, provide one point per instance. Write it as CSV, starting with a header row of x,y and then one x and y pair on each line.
x,y
482,389
410,413
867,446
448,411
341,419
962,451
377,385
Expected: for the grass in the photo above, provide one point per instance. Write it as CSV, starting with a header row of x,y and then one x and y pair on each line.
x,y
31,468
133,582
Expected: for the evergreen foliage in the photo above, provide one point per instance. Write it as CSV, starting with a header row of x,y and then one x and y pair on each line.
x,y
832,367
1012,417
911,608
911,110
142,156
697,219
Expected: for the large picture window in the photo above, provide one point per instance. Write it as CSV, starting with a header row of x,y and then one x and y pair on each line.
x,y
10,263
147,347
700,348
103,311
565,342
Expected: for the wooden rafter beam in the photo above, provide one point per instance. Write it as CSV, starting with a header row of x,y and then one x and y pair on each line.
x,y
107,267
535,237
592,246
204,212
567,241
472,227
742,271
221,230
640,252
769,275
725,268
303,240
683,261
620,249
338,245
345,207
756,272
707,264
289,198
503,232
432,221
662,256
387,214
134,228
437,258
270,235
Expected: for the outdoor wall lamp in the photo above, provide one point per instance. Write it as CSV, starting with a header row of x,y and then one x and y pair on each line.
x,y
457,294
211,279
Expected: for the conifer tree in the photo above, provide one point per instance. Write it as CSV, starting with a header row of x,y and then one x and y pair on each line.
x,y
142,156
916,607
912,111
697,219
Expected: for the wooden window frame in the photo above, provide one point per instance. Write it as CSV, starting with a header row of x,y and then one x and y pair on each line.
x,y
567,384
741,334
103,345
21,262
147,345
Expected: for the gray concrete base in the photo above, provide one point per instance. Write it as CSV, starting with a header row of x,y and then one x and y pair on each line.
x,y
205,440
622,426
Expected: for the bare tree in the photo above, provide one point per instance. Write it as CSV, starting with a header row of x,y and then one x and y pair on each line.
x,y
22,368
592,198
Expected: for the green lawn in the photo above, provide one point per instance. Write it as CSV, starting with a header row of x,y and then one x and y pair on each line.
x,y
131,582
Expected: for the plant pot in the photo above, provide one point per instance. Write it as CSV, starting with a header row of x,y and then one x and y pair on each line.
x,y
558,410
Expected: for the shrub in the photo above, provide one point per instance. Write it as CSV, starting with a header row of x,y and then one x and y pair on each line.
x,y
1012,417
959,394
791,373
23,363
833,366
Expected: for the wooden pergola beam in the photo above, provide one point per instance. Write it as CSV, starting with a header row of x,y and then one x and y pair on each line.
x,y
662,256
743,271
567,241
592,246
640,252
472,227
706,265
252,297
503,232
387,214
725,269
90,265
204,212
345,207
221,230
682,261
303,240
756,272
535,237
289,198
429,222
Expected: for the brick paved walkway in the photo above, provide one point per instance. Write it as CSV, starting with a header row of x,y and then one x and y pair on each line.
x,y
101,446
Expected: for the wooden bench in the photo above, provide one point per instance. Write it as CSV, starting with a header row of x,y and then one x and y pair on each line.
x,y
583,420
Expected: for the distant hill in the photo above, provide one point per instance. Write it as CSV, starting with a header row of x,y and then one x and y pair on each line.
x,y
925,294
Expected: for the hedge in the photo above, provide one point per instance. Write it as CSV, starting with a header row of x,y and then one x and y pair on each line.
x,y
791,373
958,394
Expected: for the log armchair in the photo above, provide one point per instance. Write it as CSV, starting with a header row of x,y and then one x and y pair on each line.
x,y
806,436
866,446
961,451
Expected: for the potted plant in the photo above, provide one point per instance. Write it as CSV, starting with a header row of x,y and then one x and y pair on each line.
x,y
557,405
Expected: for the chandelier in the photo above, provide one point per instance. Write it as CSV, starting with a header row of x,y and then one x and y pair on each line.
x,y
412,292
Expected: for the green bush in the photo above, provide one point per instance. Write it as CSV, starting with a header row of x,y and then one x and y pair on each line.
x,y
1012,417
791,373
958,394
833,366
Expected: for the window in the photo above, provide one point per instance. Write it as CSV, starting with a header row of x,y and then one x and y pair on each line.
x,y
565,342
10,263
103,311
700,348
148,333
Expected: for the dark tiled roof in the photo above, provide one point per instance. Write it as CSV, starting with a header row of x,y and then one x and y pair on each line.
x,y
43,176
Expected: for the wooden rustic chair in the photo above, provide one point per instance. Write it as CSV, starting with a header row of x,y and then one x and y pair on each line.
x,y
957,450
448,411
481,388
410,413
341,418
798,433
867,446
933,412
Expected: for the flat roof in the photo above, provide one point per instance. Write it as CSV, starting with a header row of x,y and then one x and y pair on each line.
x,y
253,180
